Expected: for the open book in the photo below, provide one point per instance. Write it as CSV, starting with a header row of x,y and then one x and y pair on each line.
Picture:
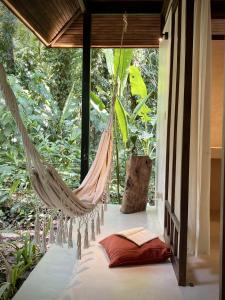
x,y
138,235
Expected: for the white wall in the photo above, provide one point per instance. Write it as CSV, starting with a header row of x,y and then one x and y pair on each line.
x,y
163,93
164,72
180,114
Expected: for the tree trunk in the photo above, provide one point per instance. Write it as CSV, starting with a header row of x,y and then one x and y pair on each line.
x,y
138,170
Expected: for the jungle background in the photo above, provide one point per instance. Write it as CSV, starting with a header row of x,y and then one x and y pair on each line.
x,y
47,84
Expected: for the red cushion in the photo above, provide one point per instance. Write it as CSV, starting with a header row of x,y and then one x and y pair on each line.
x,y
124,252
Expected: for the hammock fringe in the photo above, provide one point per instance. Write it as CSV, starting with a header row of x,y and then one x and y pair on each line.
x,y
70,235
78,244
43,244
93,229
98,229
86,242
52,232
102,214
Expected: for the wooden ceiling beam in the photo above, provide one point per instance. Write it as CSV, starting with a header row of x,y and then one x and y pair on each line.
x,y
82,5
218,37
120,7
64,28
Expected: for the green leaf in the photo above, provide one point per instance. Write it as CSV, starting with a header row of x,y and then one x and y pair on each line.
x,y
122,120
122,61
6,264
14,186
138,87
97,102
139,107
109,60
4,286
144,113
67,105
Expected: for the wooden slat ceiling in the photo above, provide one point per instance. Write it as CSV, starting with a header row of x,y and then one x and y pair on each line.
x,y
218,19
218,27
58,23
44,17
142,31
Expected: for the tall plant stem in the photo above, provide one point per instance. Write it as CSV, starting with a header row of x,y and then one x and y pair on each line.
x,y
117,162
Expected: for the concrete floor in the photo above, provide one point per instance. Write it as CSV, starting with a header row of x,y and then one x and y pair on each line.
x,y
203,271
60,276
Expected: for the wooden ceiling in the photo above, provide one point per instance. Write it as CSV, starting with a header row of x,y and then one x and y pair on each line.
x,y
218,19
142,31
44,18
59,23
218,27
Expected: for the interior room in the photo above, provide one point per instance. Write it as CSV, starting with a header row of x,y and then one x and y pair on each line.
x,y
216,137
205,269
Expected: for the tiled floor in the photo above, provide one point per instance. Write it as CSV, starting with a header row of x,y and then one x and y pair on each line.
x,y
60,276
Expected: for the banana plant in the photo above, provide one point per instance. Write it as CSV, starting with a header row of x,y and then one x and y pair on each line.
x,y
118,62
141,111
120,69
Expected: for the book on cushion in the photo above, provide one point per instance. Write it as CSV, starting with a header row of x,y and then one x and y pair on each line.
x,y
138,235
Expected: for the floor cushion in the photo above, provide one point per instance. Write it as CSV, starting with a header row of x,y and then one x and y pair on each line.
x,y
123,252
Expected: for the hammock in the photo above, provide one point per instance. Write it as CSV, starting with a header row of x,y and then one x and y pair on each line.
x,y
47,182
50,187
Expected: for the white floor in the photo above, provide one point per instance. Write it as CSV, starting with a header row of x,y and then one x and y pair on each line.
x,y
204,270
60,276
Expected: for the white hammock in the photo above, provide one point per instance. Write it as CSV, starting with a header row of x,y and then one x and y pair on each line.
x,y
45,179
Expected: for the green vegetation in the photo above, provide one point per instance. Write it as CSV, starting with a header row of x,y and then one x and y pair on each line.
x,y
22,260
47,84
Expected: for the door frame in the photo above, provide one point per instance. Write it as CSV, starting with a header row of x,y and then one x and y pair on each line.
x,y
176,227
222,212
